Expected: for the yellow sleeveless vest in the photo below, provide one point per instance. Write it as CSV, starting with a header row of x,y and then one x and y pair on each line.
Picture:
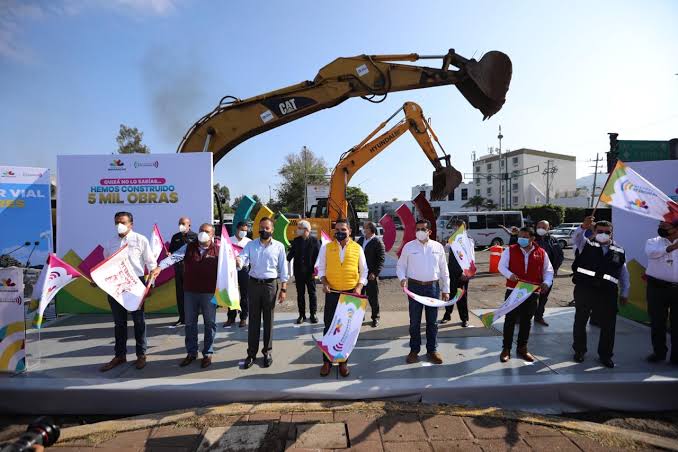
x,y
346,275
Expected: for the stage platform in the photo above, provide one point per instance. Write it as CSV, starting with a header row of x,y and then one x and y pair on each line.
x,y
66,379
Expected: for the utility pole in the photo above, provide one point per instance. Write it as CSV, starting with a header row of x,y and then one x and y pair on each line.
x,y
595,178
303,154
548,171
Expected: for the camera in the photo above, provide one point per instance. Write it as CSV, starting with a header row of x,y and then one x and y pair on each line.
x,y
43,431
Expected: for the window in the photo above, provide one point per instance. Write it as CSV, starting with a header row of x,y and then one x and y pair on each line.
x,y
489,191
476,221
494,220
512,219
489,167
489,178
514,186
450,197
477,169
477,192
464,194
515,200
515,161
501,163
477,181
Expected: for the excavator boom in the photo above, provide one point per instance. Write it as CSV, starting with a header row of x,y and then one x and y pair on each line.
x,y
483,83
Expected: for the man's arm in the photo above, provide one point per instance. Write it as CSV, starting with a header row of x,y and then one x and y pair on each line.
x,y
579,237
503,266
174,258
362,267
243,259
380,258
147,255
292,252
401,267
444,278
282,266
320,263
655,249
558,255
547,271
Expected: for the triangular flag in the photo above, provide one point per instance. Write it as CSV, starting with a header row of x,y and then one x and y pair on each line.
x,y
57,274
157,243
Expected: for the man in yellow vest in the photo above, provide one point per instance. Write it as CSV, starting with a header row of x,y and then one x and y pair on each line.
x,y
342,268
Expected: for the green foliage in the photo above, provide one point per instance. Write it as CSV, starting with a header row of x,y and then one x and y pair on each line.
x,y
129,141
549,212
8,261
574,214
476,202
358,198
291,190
490,205
225,196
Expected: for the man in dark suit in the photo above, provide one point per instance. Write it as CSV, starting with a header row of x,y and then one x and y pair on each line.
x,y
374,255
181,238
457,281
304,250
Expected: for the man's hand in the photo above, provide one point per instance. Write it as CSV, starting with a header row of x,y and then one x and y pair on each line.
x,y
514,230
463,278
358,289
671,248
403,283
155,272
446,296
238,262
544,287
514,278
282,296
371,277
623,301
588,221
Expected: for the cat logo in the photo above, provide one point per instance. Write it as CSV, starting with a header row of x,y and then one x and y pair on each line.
x,y
287,107
283,106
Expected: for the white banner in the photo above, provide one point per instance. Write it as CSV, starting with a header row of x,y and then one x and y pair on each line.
x,y
337,344
519,294
116,277
12,325
227,293
461,247
434,302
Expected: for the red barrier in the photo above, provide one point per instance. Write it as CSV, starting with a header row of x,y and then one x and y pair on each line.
x,y
408,221
389,231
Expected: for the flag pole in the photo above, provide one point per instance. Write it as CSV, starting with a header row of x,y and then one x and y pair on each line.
x,y
593,213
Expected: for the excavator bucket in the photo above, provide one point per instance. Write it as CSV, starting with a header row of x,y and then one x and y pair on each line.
x,y
445,180
487,82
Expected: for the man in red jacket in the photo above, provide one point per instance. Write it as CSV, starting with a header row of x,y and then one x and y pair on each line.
x,y
523,261
200,279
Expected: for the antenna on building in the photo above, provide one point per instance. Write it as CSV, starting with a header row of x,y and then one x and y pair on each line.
x,y
595,175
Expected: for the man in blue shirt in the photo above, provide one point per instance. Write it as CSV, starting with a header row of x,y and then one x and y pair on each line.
x,y
268,264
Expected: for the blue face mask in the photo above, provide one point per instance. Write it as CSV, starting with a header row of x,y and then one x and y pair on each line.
x,y
523,242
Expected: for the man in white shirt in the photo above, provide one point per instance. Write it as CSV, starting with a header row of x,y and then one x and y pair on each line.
x,y
422,268
140,256
240,239
662,289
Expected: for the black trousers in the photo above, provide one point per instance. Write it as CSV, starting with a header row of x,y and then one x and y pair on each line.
x,y
543,298
662,302
331,302
601,303
306,282
179,286
243,285
462,304
372,292
262,304
523,315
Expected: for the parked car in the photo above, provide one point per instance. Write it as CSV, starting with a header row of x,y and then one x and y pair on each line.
x,y
563,235
567,225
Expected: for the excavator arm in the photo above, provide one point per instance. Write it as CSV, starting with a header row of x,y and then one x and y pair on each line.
x,y
483,83
445,177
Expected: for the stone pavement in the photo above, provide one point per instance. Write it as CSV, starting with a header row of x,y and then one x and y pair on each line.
x,y
339,426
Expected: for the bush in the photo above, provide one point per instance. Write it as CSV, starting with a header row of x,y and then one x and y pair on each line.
x,y
574,214
549,212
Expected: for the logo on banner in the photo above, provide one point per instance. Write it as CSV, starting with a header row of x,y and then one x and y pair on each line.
x,y
7,283
639,204
140,164
117,165
16,300
8,173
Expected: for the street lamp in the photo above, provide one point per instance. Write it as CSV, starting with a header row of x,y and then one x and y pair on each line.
x,y
35,244
19,247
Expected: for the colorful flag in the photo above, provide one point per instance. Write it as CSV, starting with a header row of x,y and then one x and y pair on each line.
x,y
342,335
227,293
628,190
55,275
116,277
520,293
157,243
434,302
463,250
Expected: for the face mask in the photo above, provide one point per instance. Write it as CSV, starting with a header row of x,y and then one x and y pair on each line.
x,y
182,228
300,232
265,235
523,242
541,231
122,229
602,238
663,232
341,236
203,237
242,234
422,235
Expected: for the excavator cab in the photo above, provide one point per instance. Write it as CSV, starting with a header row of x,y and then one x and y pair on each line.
x,y
487,81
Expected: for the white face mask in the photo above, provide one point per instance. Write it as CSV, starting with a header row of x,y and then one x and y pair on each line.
x,y
602,238
203,238
242,234
121,228
300,232
422,235
541,231
182,228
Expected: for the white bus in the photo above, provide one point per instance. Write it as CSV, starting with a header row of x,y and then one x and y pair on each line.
x,y
483,227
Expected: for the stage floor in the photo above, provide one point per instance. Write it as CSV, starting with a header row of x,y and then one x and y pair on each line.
x,y
63,376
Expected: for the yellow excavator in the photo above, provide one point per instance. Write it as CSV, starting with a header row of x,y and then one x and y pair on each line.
x,y
445,177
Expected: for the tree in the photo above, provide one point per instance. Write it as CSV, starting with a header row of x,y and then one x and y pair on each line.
x,y
129,141
254,210
358,198
490,205
225,195
291,191
475,201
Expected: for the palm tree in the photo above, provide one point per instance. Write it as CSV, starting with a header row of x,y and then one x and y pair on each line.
x,y
475,201
490,205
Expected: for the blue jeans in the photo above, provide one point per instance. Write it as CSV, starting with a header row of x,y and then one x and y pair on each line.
x,y
416,309
193,303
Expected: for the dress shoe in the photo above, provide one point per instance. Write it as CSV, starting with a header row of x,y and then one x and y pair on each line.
x,y
113,363
445,319
206,361
325,369
464,323
179,323
505,355
578,357
607,362
300,320
435,357
314,319
248,362
375,323
412,358
188,360
229,322
344,370
268,360
541,321
243,323
655,358
525,355
141,362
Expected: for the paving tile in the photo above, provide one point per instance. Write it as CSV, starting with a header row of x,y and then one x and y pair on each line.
x,y
365,446
361,426
269,417
589,444
526,429
500,445
455,446
552,444
291,448
169,436
323,436
235,437
401,428
440,427
316,417
133,439
413,446
492,428
286,429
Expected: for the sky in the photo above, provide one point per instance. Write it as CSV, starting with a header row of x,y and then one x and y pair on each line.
x,y
72,71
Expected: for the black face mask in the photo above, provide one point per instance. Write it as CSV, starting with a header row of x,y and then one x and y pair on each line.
x,y
341,236
663,232
265,234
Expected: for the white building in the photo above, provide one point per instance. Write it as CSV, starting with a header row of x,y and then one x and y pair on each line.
x,y
528,171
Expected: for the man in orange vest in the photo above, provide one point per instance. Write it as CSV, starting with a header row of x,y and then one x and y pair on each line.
x,y
342,268
523,261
